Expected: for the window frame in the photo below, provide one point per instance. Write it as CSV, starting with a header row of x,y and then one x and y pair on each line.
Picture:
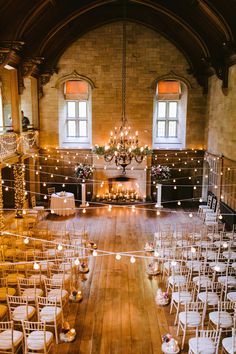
x,y
77,119
167,119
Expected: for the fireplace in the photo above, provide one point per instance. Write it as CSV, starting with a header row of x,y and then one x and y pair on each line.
x,y
112,187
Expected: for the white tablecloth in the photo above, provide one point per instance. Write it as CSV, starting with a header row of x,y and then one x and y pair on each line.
x,y
63,205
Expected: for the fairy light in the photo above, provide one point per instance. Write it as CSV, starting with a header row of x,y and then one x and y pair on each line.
x,y
24,212
179,203
95,253
45,197
200,200
190,215
118,257
225,245
220,217
194,187
193,249
52,176
84,211
173,263
6,189
63,186
52,211
87,204
19,189
158,213
44,184
132,259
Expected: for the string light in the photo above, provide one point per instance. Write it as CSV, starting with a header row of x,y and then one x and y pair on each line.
x,y
36,266
158,213
77,262
179,203
193,249
118,257
132,259
84,211
59,247
190,215
26,240
95,253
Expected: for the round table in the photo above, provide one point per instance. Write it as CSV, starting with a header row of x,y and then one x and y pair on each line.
x,y
63,204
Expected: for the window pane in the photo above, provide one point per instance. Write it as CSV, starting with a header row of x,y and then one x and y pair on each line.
x,y
71,128
161,128
71,109
82,128
172,109
82,109
172,128
161,110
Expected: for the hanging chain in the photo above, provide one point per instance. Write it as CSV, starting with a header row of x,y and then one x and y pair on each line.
x,y
123,118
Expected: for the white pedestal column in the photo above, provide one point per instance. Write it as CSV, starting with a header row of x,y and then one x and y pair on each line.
x,y
158,204
83,195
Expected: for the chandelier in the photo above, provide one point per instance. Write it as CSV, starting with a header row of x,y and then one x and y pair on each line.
x,y
123,147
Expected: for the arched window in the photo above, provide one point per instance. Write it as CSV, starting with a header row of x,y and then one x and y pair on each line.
x,y
76,130
169,120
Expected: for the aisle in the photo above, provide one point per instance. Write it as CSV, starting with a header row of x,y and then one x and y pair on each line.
x,y
118,314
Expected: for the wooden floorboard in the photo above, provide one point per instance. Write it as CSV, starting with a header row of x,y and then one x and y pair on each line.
x,y
118,314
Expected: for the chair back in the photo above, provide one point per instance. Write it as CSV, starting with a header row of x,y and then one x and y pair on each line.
x,y
51,190
29,327
33,201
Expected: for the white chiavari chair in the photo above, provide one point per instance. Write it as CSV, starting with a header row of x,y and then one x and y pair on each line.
x,y
11,340
19,309
50,312
36,338
205,342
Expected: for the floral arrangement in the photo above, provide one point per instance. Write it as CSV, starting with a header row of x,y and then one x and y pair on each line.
x,y
83,172
166,337
160,173
171,345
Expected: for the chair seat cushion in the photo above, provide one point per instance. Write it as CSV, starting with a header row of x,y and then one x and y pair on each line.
x,y
210,297
38,278
12,278
49,313
6,339
182,296
177,279
202,345
20,313
232,296
222,317
61,277
3,311
193,318
230,280
35,340
58,294
32,293
227,345
6,291
202,281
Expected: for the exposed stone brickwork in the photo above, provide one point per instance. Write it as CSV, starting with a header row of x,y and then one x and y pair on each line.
x,y
222,117
98,55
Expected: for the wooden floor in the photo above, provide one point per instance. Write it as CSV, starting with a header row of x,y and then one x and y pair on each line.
x,y
118,314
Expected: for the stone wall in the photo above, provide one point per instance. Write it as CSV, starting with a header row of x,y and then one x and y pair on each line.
x,y
221,138
98,56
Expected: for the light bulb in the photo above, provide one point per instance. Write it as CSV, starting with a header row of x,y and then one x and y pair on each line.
x,y
179,203
59,247
156,254
200,200
77,262
63,186
84,211
109,208
24,212
95,253
26,240
225,245
87,204
118,256
36,266
220,217
190,215
45,197
52,211
158,213
193,249
132,259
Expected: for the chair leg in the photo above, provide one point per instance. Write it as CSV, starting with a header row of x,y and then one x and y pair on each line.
x,y
184,335
178,328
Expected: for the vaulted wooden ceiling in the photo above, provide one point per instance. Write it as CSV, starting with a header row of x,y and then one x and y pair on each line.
x,y
34,34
